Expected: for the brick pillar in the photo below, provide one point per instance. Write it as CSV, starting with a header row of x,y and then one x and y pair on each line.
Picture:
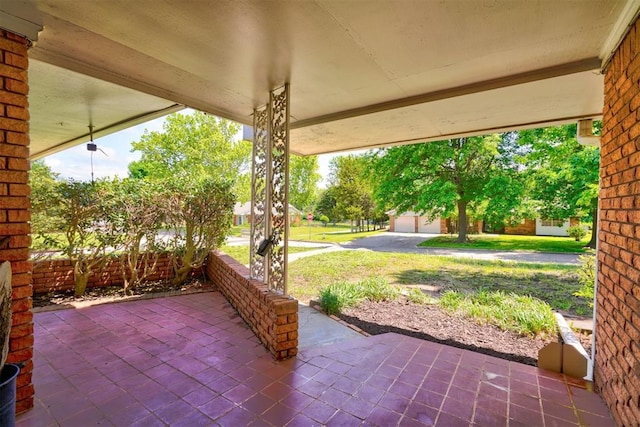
x,y
15,205
617,360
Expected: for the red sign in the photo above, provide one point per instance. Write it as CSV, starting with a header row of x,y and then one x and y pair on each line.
x,y
309,217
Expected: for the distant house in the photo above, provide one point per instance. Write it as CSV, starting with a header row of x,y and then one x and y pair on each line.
x,y
411,222
542,227
242,213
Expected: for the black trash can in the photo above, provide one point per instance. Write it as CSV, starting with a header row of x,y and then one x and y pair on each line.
x,y
8,395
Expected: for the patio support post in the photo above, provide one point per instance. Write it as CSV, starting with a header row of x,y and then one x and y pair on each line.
x,y
617,349
270,191
15,228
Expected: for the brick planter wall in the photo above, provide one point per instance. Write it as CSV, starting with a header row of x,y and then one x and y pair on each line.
x,y
272,317
57,275
617,360
14,204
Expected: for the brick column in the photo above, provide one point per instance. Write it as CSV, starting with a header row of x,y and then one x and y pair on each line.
x,y
617,360
15,228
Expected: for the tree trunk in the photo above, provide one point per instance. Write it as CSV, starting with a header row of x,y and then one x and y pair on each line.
x,y
81,284
462,221
594,228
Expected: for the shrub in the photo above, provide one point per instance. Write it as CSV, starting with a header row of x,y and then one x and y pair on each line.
x,y
330,302
587,276
519,313
324,220
198,214
339,295
416,296
577,232
377,289
137,217
81,215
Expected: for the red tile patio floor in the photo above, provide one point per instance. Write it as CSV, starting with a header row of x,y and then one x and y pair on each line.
x,y
191,361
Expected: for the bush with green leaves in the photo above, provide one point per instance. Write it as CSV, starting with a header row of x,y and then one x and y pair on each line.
x,y
587,277
137,216
198,214
417,296
324,220
339,295
519,313
81,226
577,232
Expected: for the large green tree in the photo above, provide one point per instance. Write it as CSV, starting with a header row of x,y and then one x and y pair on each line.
x,y
43,182
351,189
326,205
195,146
563,175
303,181
438,179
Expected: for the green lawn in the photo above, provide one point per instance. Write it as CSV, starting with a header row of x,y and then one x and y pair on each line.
x,y
241,253
317,232
331,234
553,283
506,242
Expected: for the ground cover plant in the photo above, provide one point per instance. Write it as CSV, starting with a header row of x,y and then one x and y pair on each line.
x,y
506,242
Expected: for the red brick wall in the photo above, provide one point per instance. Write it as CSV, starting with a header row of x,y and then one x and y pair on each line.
x,y
617,360
526,229
272,317
14,204
57,275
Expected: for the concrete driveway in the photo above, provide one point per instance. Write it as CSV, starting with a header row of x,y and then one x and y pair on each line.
x,y
407,243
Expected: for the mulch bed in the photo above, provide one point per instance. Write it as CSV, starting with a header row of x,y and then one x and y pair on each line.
x,y
430,322
108,294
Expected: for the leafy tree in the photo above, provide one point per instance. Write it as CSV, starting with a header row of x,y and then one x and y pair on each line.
x,y
195,146
438,179
326,204
303,181
84,227
43,182
564,175
351,188
199,215
137,216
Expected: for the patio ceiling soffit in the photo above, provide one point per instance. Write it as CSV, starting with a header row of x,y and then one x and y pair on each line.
x,y
354,83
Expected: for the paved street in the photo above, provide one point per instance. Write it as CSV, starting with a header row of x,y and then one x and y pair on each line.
x,y
407,242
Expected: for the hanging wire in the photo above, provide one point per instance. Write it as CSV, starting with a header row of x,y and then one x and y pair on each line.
x,y
92,147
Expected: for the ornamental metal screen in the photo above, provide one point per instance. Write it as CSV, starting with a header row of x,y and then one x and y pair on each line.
x,y
270,190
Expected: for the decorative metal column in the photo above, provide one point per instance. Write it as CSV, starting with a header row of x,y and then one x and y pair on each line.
x,y
270,191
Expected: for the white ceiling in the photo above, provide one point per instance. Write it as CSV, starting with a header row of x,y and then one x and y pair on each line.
x,y
362,73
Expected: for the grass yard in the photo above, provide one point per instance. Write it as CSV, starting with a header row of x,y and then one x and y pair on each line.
x,y
552,283
241,253
506,242
339,233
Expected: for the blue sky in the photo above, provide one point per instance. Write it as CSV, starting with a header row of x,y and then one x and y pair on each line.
x,y
76,162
